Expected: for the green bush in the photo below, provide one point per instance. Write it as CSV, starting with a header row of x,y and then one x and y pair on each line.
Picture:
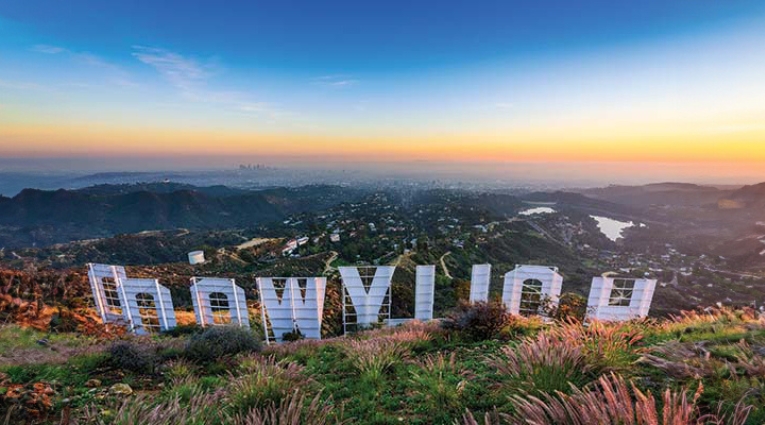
x,y
479,321
220,341
133,357
183,330
293,336
571,307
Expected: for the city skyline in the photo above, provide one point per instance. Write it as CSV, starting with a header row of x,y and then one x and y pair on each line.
x,y
648,83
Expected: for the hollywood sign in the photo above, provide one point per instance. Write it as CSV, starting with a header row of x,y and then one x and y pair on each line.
x,y
293,304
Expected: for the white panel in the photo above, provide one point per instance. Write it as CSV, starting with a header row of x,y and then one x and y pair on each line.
x,y
513,290
602,292
424,292
367,300
105,284
292,303
149,305
219,301
479,283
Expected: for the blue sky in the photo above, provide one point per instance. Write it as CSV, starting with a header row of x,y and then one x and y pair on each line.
x,y
410,76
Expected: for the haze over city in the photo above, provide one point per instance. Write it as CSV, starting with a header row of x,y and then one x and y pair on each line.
x,y
601,91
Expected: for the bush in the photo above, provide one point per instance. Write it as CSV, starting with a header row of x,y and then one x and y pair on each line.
x,y
133,357
544,364
183,330
571,307
219,341
479,321
293,336
263,382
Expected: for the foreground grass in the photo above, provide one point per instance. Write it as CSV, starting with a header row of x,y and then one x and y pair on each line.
x,y
705,367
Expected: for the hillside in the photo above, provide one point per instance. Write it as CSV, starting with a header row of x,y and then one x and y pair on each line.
x,y
478,366
671,194
747,198
40,218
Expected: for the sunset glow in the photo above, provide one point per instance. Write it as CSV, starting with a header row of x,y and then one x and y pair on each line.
x,y
680,83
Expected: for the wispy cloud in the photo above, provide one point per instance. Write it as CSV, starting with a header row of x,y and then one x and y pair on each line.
x,y
504,105
181,71
47,49
116,74
193,79
20,85
335,81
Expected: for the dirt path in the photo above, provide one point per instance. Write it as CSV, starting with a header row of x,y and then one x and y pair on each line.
x,y
254,242
443,265
328,263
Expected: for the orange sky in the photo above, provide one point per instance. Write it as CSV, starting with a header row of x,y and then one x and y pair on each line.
x,y
743,143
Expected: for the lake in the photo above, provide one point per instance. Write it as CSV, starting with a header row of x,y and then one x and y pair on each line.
x,y
537,210
613,229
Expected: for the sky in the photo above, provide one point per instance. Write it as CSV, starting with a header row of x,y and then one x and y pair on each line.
x,y
652,84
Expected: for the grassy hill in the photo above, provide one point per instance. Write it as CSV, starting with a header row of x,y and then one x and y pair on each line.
x,y
702,367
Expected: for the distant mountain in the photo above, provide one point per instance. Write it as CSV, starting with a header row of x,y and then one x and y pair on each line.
x,y
46,217
580,202
159,187
748,197
659,194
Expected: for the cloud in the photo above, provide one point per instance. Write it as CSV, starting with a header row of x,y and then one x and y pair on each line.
x,y
180,71
335,81
47,49
20,85
193,79
504,105
117,75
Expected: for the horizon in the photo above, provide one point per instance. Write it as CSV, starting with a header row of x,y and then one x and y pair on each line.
x,y
673,91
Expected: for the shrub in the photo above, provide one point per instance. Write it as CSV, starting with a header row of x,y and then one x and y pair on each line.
x,y
179,370
295,335
183,330
612,402
374,357
265,382
542,364
138,358
218,341
291,411
200,409
571,307
440,380
606,346
479,321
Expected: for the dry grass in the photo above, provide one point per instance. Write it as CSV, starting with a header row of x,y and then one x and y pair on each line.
x,y
291,411
374,357
613,401
542,364
606,346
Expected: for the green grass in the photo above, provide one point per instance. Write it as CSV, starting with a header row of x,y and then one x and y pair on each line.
x,y
15,338
435,382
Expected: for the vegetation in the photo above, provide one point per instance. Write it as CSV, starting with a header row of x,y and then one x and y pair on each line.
x,y
219,341
701,367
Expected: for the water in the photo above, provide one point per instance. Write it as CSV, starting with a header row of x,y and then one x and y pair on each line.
x,y
538,210
613,229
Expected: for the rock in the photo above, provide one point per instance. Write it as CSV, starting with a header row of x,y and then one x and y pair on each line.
x,y
93,383
121,389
